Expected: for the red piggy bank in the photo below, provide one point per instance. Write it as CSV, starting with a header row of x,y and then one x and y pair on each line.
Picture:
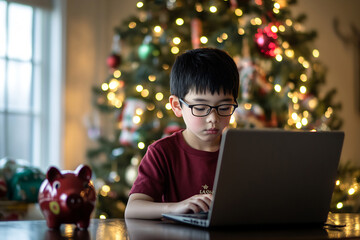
x,y
67,197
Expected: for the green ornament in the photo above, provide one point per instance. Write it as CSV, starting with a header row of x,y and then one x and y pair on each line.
x,y
145,51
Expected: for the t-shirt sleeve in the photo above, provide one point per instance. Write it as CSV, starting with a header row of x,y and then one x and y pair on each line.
x,y
150,179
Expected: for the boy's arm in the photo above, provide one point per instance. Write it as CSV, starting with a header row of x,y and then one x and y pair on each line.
x,y
143,206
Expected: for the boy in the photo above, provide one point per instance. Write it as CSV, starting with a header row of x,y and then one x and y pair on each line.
x,y
177,172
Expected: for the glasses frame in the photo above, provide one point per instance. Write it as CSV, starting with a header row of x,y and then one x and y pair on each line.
x,y
210,108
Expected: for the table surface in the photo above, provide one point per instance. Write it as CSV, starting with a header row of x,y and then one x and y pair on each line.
x,y
150,229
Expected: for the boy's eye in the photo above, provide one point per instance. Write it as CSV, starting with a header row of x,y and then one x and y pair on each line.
x,y
200,108
224,108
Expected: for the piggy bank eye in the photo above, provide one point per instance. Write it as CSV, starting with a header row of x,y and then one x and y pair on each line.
x,y
56,184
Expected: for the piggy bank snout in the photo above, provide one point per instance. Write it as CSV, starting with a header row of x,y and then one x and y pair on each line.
x,y
74,201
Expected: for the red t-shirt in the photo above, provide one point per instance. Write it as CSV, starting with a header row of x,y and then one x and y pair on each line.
x,y
172,171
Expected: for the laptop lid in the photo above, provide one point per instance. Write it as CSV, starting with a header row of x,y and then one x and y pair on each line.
x,y
272,176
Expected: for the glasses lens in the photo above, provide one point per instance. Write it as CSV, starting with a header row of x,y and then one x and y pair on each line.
x,y
200,110
226,109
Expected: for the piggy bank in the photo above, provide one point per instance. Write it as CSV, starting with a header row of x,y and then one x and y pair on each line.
x,y
67,197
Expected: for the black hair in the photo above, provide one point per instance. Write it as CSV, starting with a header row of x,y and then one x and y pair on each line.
x,y
204,69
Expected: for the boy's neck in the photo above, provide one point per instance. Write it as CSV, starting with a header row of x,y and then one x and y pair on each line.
x,y
198,144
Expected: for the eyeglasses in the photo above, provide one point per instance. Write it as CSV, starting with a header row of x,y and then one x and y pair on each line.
x,y
202,110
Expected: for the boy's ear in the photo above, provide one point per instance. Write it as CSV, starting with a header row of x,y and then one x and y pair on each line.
x,y
175,105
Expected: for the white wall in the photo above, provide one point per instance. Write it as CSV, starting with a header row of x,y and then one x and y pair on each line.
x,y
90,25
339,59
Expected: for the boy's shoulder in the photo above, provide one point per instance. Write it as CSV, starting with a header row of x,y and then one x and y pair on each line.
x,y
168,140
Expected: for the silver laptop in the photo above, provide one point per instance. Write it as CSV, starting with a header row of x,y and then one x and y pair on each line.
x,y
272,177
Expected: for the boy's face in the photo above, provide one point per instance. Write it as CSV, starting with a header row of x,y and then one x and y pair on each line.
x,y
203,133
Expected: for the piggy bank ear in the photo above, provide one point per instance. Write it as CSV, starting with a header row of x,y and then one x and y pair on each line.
x,y
84,172
52,174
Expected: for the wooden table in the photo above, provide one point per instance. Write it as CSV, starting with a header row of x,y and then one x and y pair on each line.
x,y
144,229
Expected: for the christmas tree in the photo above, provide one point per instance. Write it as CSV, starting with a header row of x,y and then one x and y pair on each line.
x,y
280,77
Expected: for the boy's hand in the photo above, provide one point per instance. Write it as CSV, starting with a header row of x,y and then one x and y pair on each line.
x,y
196,203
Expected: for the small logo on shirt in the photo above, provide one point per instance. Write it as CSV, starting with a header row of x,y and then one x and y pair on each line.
x,y
205,189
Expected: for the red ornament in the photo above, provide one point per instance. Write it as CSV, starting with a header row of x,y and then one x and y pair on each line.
x,y
113,61
266,40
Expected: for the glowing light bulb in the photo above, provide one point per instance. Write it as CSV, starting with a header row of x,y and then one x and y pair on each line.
x,y
298,125
303,77
306,64
141,145
132,25
303,89
241,31
144,93
159,96
117,73
113,84
294,116
198,7
274,29
288,22
157,29
278,58
203,40
176,40
152,78
139,111
339,205
175,50
313,103
213,9
316,53
105,188
306,114
179,21
139,4
238,12
301,59
295,99
139,88
224,36
168,106
277,88
257,21
247,106
285,44
104,87
111,96
159,114
289,53
304,121
136,119
351,191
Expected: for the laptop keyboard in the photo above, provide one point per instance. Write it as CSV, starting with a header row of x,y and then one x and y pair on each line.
x,y
200,215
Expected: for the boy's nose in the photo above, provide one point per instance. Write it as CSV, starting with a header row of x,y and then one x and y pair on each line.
x,y
213,116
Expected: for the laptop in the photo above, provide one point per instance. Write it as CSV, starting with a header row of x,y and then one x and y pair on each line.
x,y
272,176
